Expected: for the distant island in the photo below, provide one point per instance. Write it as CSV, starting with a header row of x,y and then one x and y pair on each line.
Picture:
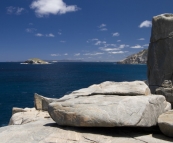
x,y
35,61
138,58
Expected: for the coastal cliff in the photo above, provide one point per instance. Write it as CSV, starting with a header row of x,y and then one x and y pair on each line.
x,y
138,58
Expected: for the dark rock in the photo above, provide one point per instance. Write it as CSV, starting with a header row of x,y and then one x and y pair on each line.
x,y
165,122
160,51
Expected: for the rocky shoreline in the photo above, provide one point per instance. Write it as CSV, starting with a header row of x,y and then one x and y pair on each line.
x,y
109,112
123,111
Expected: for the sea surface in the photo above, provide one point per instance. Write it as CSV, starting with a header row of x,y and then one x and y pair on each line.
x,y
19,82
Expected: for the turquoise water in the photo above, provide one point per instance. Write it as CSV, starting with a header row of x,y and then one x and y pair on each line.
x,y
18,82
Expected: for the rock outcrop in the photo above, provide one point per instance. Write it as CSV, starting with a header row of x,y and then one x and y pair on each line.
x,y
109,111
109,104
165,122
36,61
138,58
160,51
166,90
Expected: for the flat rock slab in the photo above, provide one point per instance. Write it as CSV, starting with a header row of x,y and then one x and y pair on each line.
x,y
109,110
47,131
165,122
112,88
27,115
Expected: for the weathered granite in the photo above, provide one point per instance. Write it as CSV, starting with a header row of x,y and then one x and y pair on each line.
x,y
111,88
27,115
16,110
109,110
165,122
41,102
160,51
47,131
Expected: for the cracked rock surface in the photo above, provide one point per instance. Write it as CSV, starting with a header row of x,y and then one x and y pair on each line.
x,y
109,104
47,131
109,110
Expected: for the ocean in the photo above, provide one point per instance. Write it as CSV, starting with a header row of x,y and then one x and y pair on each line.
x,y
19,82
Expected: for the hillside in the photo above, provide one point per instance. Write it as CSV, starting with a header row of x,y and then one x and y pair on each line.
x,y
138,58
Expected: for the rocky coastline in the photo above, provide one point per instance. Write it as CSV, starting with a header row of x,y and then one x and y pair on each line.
x,y
109,112
138,58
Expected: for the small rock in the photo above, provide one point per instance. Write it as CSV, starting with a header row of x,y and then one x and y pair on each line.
x,y
165,122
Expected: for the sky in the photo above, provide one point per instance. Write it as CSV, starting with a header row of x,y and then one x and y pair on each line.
x,y
89,30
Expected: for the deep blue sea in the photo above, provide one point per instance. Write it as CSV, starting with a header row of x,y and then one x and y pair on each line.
x,y
19,82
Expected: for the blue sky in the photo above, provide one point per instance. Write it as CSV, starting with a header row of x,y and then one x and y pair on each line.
x,y
90,30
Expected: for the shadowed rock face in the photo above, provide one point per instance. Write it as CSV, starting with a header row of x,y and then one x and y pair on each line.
x,y
165,122
160,52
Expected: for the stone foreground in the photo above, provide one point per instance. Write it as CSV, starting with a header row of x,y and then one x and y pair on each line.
x,y
109,104
47,131
165,122
109,111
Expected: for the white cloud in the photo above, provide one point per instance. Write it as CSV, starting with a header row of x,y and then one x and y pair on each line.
x,y
77,54
31,30
54,55
145,23
92,54
118,52
146,45
136,46
66,54
141,39
122,46
100,42
94,39
59,33
118,40
115,34
108,49
62,41
46,7
102,25
103,29
39,35
108,45
19,10
50,35
15,10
